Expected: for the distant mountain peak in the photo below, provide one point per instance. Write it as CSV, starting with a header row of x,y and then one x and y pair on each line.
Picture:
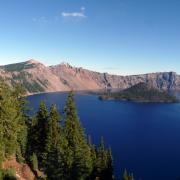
x,y
33,61
65,64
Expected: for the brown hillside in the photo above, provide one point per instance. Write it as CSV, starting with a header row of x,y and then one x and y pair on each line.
x,y
23,171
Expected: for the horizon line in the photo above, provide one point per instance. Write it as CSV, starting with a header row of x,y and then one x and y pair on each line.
x,y
74,66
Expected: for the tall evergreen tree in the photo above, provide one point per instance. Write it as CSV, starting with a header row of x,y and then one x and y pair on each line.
x,y
127,176
93,157
13,130
54,166
110,168
101,162
37,135
53,130
78,154
61,152
8,120
22,109
54,146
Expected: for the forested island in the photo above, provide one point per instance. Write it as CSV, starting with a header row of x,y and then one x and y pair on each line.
x,y
48,145
141,92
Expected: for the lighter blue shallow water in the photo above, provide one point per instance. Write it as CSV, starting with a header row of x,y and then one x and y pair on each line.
x,y
145,138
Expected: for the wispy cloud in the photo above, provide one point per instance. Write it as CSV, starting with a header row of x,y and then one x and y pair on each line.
x,y
80,14
75,16
41,19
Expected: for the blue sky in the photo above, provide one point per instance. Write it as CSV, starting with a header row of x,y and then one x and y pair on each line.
x,y
115,36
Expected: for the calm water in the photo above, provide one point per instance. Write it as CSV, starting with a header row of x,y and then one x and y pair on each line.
x,y
145,138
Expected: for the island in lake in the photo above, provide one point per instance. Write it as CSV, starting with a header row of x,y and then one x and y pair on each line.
x,y
141,92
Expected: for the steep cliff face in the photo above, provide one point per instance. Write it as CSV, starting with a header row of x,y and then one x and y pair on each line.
x,y
36,77
79,78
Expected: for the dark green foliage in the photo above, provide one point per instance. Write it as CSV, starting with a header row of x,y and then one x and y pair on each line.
x,y
54,166
23,77
22,143
17,67
103,165
8,121
12,122
22,125
101,162
30,86
127,176
110,166
8,174
53,130
56,146
34,162
47,141
141,92
78,153
38,134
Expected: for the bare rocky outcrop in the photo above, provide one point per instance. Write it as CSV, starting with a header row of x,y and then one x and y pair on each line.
x,y
36,77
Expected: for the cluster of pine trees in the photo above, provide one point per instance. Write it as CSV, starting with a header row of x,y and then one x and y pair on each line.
x,y
60,146
127,176
49,142
13,129
13,125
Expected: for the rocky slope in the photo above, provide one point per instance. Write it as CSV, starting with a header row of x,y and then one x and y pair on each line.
x,y
22,171
36,77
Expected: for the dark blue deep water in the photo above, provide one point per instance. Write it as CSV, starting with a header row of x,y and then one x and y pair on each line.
x,y
145,138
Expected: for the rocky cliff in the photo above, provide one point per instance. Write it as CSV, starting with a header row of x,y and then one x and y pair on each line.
x,y
36,77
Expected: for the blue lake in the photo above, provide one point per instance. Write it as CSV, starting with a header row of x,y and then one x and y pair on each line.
x,y
145,138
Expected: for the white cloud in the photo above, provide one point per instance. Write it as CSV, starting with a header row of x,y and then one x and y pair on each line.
x,y
67,15
80,14
74,14
41,19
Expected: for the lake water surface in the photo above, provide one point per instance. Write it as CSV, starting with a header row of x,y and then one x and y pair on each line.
x,y
145,138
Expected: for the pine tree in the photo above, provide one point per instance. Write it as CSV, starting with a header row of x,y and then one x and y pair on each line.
x,y
93,157
63,153
110,169
37,135
54,166
102,160
12,122
103,163
52,129
131,176
22,133
54,146
34,162
8,120
78,154
125,175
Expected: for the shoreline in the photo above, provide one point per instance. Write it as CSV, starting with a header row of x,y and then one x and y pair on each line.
x,y
137,101
93,92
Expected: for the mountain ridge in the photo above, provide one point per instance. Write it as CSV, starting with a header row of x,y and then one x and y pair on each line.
x,y
35,77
